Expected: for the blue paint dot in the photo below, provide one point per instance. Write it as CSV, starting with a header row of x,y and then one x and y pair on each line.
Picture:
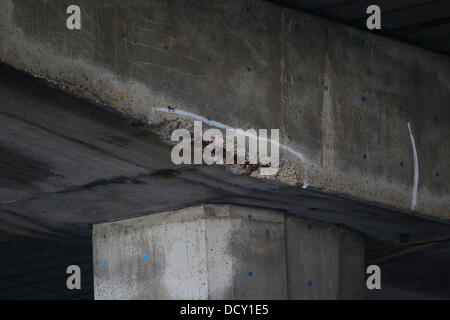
x,y
209,118
401,108
19,158
401,164
363,42
327,145
363,98
123,35
104,264
309,283
365,156
208,59
290,138
249,216
326,88
309,227
437,173
249,69
436,118
250,274
146,256
13,134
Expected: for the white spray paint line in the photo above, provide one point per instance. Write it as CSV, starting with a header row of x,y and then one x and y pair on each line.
x,y
416,171
224,126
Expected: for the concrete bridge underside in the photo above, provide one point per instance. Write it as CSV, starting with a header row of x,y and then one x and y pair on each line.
x,y
67,165
86,125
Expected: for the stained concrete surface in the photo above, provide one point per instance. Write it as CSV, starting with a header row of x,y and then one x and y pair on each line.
x,y
341,97
226,252
79,179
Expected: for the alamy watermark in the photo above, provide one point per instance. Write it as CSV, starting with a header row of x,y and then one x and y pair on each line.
x,y
74,280
73,22
209,147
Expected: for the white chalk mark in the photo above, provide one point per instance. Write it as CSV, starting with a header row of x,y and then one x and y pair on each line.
x,y
225,127
169,69
416,171
140,44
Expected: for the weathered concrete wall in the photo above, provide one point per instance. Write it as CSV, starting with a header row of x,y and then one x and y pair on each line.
x,y
341,97
226,252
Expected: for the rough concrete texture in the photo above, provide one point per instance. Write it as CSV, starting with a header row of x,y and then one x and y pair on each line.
x,y
341,97
226,252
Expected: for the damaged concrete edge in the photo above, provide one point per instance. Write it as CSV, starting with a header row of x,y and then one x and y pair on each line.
x,y
98,85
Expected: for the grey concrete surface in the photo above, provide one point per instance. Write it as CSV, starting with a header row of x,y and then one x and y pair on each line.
x,y
226,252
341,97
66,164
92,174
330,259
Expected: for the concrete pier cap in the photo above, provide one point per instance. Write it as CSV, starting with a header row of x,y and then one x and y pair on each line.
x,y
226,252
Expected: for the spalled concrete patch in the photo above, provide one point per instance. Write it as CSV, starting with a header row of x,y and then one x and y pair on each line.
x,y
271,67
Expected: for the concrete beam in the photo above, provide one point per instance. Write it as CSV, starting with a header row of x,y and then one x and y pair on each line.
x,y
341,97
226,252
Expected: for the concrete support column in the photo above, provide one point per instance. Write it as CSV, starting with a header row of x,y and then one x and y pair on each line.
x,y
226,252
